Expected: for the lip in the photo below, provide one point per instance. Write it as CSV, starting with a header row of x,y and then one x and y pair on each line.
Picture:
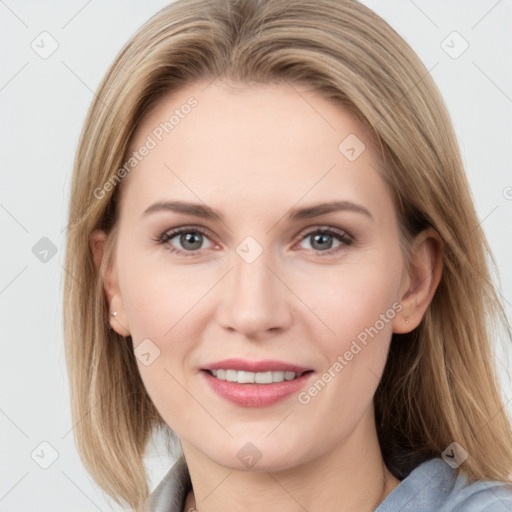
x,y
256,395
267,365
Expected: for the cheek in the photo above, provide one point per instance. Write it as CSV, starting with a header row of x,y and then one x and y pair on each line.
x,y
357,306
344,300
159,304
157,295
355,298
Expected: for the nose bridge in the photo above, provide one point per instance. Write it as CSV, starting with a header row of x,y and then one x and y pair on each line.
x,y
253,298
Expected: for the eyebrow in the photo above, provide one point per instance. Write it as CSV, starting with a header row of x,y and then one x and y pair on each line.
x,y
294,214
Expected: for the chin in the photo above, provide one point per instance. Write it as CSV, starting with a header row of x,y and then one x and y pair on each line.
x,y
257,456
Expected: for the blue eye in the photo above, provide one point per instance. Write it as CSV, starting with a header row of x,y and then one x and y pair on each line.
x,y
322,239
191,240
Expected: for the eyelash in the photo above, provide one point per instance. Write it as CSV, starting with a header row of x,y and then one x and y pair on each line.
x,y
341,235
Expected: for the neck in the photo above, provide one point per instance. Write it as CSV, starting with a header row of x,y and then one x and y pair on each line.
x,y
350,477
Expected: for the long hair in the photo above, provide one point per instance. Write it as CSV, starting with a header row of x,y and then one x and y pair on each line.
x,y
440,383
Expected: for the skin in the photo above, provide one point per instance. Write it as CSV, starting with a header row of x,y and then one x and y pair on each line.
x,y
253,153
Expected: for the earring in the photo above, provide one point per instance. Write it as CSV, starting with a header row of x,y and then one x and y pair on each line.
x,y
407,320
113,314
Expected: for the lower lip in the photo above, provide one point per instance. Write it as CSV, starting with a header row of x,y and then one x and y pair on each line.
x,y
256,395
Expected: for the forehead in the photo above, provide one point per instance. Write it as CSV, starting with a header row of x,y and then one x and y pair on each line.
x,y
251,144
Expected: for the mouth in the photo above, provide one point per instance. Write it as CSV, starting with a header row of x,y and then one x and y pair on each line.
x,y
255,383
246,377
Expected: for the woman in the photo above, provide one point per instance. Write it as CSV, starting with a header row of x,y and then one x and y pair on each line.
x,y
273,254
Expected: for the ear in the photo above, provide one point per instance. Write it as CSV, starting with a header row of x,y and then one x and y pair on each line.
x,y
105,262
421,280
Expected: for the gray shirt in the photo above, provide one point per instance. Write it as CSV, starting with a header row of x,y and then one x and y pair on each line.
x,y
430,487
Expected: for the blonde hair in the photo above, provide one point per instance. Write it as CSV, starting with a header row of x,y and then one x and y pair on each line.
x,y
440,383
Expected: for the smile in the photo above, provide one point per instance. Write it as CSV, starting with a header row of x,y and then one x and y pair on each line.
x,y
245,377
255,389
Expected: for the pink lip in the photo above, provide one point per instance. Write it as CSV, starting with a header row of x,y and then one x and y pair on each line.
x,y
268,365
255,395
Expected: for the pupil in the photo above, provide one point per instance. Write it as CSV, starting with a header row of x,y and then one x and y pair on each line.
x,y
323,241
191,238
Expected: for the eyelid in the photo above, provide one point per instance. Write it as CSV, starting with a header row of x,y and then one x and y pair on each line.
x,y
169,234
324,228
344,237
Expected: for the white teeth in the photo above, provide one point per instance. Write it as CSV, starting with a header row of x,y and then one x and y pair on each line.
x,y
231,375
243,377
263,378
277,376
246,377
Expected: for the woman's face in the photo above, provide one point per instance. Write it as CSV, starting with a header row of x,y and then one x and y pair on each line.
x,y
251,278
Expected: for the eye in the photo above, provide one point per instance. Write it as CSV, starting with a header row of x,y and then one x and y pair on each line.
x,y
322,239
191,240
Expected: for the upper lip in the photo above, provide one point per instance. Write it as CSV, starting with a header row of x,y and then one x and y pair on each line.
x,y
265,365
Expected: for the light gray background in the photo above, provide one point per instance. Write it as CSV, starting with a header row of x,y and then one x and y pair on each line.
x,y
43,104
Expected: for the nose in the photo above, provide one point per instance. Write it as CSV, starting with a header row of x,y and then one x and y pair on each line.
x,y
254,299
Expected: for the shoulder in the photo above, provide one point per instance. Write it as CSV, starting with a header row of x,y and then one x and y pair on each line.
x,y
435,486
479,496
169,495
